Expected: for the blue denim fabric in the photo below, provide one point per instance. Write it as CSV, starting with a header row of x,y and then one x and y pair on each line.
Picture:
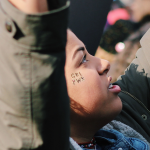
x,y
114,140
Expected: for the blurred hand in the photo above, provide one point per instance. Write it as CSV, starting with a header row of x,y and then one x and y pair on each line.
x,y
31,6
37,6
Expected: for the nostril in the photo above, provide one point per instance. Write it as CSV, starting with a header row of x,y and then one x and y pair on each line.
x,y
104,67
105,71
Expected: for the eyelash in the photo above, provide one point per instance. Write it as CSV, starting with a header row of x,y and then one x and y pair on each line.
x,y
84,59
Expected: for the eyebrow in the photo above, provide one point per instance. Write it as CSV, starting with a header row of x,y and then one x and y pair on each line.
x,y
79,49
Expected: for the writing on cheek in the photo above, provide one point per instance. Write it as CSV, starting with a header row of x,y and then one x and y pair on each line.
x,y
77,78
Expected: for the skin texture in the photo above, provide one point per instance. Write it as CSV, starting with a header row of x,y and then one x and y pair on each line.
x,y
139,9
92,104
37,6
31,6
77,78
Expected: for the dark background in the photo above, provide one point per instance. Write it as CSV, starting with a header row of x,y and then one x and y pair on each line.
x,y
87,19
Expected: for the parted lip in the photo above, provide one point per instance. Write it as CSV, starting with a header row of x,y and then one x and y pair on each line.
x,y
109,79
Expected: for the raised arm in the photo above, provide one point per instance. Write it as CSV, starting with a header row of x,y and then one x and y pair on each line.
x,y
34,106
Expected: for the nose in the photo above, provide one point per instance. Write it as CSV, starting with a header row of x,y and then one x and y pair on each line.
x,y
104,66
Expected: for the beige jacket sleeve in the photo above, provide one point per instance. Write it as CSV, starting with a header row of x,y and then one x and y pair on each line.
x,y
34,106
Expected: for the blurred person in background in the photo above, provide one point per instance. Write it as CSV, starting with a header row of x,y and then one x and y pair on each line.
x,y
118,27
121,40
140,14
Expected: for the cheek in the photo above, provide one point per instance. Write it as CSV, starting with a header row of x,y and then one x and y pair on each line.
x,y
74,84
87,88
88,93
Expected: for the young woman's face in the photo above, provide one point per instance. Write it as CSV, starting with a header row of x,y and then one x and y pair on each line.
x,y
88,83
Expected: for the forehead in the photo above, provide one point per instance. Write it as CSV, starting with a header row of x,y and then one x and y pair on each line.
x,y
73,43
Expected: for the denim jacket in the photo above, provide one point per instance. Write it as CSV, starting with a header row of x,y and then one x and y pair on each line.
x,y
114,140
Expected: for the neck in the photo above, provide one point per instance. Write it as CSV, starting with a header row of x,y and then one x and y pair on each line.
x,y
83,130
84,125
80,138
